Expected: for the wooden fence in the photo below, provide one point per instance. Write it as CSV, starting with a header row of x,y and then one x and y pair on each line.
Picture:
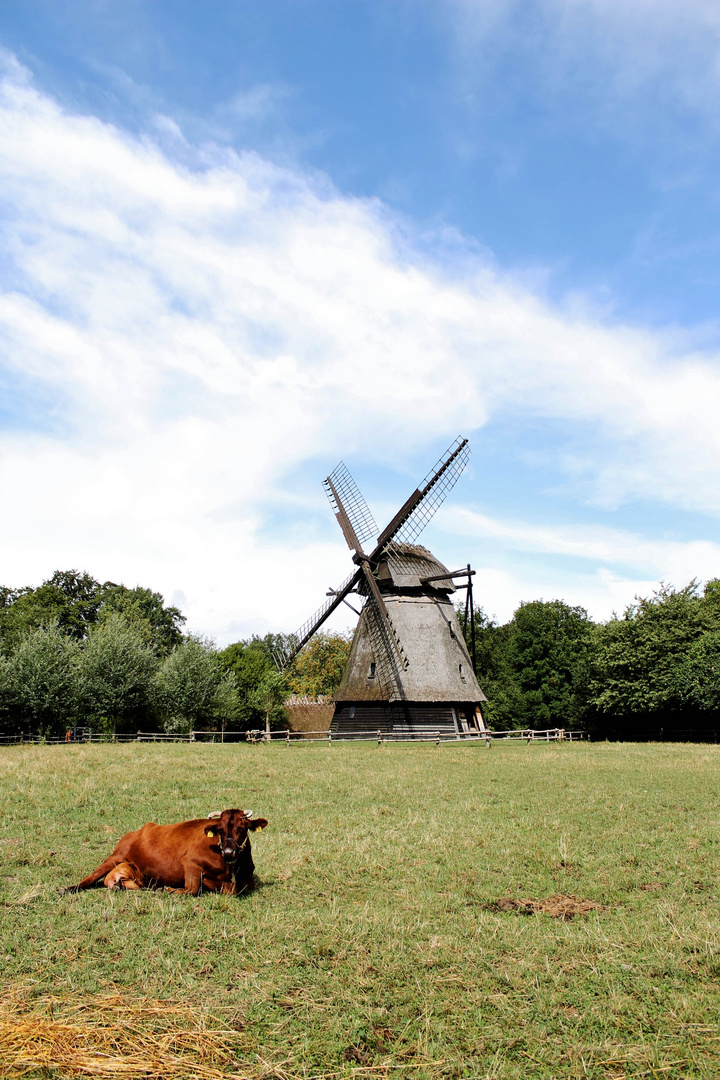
x,y
306,737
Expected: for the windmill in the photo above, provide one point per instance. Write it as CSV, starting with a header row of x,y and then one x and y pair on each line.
x,y
409,669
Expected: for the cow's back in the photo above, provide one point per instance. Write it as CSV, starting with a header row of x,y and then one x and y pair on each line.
x,y
159,851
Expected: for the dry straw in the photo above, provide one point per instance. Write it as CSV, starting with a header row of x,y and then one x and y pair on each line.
x,y
112,1036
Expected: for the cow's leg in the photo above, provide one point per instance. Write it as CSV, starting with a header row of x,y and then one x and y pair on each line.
x,y
94,879
193,879
124,876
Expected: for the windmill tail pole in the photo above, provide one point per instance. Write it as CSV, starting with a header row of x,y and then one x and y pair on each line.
x,y
472,619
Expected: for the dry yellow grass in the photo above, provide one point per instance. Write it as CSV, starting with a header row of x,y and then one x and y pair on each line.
x,y
115,1036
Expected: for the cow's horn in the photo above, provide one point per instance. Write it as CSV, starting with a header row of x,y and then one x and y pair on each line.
x,y
215,813
248,813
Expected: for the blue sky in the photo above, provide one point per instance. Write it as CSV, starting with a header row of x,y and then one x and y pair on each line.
x,y
241,241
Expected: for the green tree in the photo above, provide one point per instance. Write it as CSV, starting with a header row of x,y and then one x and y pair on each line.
x,y
161,626
249,661
699,674
640,673
319,667
117,669
531,668
40,680
268,697
69,599
549,643
194,690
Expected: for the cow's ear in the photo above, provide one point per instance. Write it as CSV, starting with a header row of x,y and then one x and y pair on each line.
x,y
257,823
209,831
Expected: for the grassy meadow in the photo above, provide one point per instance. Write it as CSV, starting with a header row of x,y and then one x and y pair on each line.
x,y
378,944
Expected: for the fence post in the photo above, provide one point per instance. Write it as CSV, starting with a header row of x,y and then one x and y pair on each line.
x,y
379,737
287,738
437,738
329,738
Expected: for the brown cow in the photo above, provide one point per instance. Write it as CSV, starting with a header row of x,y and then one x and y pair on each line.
x,y
211,854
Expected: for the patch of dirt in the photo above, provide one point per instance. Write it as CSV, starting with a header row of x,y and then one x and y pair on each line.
x,y
358,1055
557,907
650,886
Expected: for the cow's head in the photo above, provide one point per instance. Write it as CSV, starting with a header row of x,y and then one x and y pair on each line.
x,y
232,830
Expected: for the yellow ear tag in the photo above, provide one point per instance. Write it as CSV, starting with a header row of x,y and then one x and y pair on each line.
x,y
209,833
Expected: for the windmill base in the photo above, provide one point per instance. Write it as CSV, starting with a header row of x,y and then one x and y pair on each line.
x,y
411,719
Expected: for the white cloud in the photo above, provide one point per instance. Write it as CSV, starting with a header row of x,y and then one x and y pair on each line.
x,y
208,326
613,51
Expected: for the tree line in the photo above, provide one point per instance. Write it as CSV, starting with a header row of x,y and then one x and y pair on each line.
x,y
75,653
78,653
651,672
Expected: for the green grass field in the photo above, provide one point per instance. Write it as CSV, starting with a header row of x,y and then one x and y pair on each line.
x,y
373,946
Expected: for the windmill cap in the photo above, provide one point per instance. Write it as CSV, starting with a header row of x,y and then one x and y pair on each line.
x,y
407,565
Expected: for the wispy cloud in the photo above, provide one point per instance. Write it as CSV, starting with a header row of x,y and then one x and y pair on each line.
x,y
208,326
613,53
612,548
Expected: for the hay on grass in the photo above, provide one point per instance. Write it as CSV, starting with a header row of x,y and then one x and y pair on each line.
x,y
111,1036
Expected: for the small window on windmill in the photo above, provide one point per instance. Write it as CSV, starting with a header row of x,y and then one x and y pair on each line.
x,y
461,672
371,674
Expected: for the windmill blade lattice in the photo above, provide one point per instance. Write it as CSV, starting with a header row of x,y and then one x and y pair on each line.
x,y
353,503
435,487
385,649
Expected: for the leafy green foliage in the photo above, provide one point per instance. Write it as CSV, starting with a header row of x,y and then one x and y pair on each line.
x,y
73,650
115,684
250,662
39,681
654,667
318,668
159,625
76,602
529,668
268,697
193,691
69,599
549,642
698,676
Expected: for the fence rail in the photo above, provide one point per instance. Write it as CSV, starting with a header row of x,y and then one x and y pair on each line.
x,y
286,737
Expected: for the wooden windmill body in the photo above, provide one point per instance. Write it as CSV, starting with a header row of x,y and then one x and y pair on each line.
x,y
409,669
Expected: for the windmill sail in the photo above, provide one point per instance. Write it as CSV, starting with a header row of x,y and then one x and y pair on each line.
x,y
344,494
407,525
385,648
296,641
